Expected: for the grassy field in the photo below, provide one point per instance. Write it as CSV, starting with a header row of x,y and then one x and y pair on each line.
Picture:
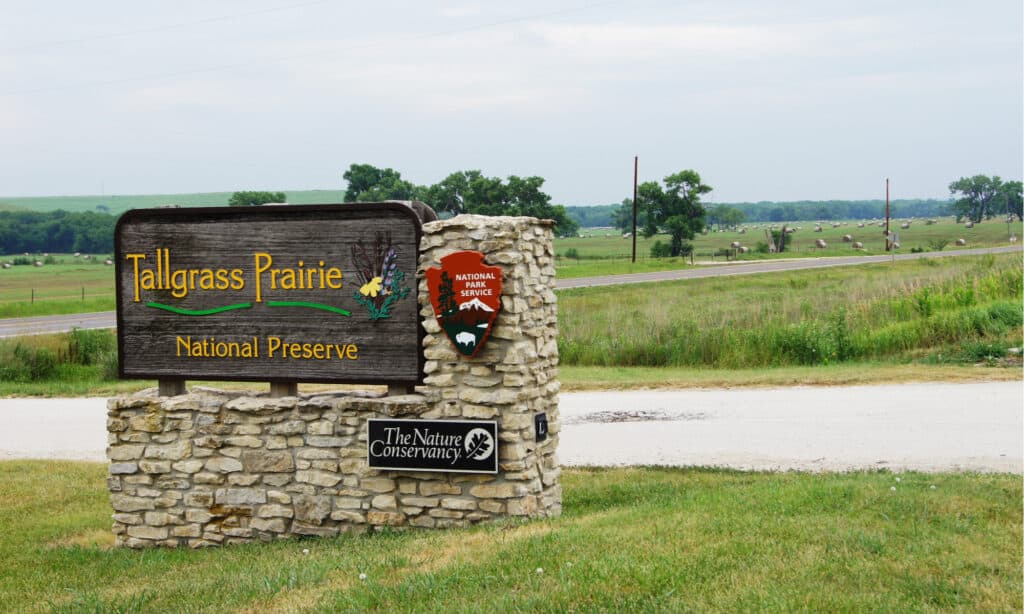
x,y
638,539
608,244
931,310
924,320
120,203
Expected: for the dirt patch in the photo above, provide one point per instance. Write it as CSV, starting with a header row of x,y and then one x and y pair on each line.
x,y
93,538
635,415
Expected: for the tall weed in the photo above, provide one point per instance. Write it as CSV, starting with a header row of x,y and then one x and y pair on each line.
x,y
887,312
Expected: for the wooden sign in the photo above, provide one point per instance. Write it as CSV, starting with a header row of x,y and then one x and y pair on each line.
x,y
321,293
466,296
458,446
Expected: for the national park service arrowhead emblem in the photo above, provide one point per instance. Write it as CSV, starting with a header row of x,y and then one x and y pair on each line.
x,y
466,296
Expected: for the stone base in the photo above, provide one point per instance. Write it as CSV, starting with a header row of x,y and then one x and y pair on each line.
x,y
213,467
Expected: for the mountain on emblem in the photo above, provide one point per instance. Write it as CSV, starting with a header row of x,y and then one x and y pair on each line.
x,y
466,296
474,304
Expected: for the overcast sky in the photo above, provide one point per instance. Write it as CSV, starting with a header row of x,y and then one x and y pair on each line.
x,y
766,100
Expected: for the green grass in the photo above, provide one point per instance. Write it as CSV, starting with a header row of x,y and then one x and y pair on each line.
x,y
120,203
70,285
574,378
637,539
893,312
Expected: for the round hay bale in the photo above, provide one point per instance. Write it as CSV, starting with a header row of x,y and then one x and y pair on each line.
x,y
735,245
847,238
820,243
969,225
858,245
961,242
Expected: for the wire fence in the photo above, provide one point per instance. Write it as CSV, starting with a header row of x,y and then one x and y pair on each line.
x,y
33,295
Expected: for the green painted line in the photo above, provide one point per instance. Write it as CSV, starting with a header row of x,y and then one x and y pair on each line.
x,y
307,304
199,312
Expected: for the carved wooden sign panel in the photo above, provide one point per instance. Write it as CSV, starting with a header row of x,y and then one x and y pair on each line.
x,y
319,293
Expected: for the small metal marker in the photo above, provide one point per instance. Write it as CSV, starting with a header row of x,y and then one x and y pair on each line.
x,y
540,425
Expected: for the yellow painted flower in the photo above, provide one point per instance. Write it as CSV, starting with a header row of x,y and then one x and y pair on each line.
x,y
371,288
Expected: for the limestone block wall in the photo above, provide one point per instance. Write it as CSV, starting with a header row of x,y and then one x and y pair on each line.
x,y
212,467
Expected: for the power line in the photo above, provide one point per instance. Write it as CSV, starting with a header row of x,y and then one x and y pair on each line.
x,y
172,26
302,56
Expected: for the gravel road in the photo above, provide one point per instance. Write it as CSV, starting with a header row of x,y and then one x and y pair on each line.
x,y
926,427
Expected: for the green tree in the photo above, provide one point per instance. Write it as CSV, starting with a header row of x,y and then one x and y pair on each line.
x,y
446,295
473,192
367,183
250,199
976,197
724,215
1010,199
677,209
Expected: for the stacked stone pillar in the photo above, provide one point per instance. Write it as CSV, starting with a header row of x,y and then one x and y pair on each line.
x,y
515,376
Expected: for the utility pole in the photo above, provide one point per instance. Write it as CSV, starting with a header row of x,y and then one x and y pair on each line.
x,y
887,243
1006,204
636,167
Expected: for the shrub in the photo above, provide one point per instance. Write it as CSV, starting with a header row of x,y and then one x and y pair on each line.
x,y
661,250
937,245
982,351
573,253
88,347
28,364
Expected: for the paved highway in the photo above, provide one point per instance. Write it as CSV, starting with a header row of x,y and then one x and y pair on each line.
x,y
106,319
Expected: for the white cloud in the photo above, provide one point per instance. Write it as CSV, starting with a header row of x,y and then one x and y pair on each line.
x,y
459,11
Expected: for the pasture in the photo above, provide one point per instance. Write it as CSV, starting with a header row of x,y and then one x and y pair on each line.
x,y
609,244
65,284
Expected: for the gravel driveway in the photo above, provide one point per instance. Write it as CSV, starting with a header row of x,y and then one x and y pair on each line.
x,y
927,427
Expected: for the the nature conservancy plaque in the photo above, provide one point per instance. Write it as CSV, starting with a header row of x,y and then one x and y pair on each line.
x,y
459,446
323,293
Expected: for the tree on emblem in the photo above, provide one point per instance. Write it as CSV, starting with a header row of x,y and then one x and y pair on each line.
x,y
446,295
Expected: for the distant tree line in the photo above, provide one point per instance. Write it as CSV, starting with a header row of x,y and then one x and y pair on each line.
x,y
56,231
621,215
461,192
252,199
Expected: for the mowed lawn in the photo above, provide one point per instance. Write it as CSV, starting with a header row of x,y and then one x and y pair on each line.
x,y
630,539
